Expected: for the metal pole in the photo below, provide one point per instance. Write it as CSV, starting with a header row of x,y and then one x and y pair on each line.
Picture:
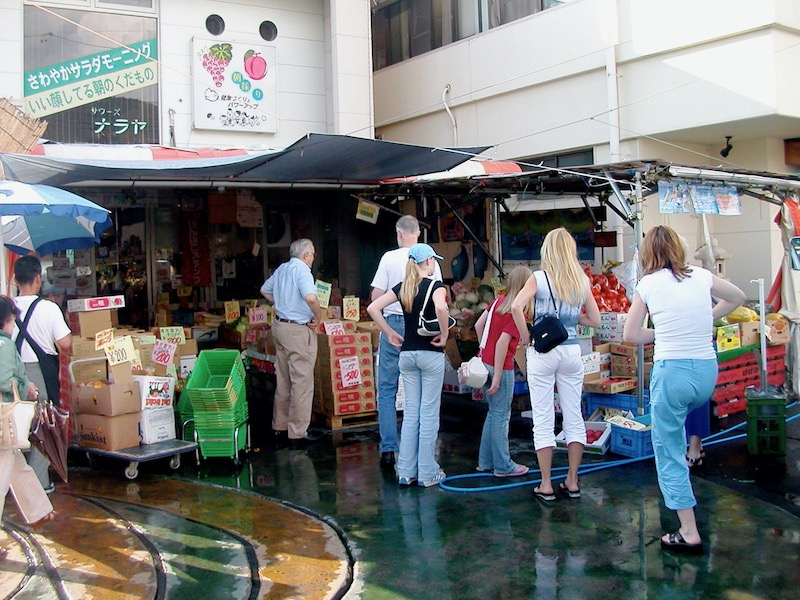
x,y
760,283
637,234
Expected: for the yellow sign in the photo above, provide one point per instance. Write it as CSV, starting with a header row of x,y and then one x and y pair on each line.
x,y
103,338
184,291
120,350
351,307
232,311
174,335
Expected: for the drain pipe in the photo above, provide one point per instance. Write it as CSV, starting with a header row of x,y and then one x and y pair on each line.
x,y
446,91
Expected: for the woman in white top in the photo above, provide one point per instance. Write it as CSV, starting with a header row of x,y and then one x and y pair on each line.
x,y
679,300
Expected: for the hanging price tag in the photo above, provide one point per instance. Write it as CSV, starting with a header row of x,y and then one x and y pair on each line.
x,y
163,352
258,315
351,308
333,327
147,340
323,293
351,375
174,335
232,312
103,338
120,350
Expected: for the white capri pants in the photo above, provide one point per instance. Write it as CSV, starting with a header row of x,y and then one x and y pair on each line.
x,y
560,367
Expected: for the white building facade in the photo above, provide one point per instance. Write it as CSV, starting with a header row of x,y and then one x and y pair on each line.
x,y
604,81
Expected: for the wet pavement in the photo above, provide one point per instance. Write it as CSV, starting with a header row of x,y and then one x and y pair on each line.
x,y
326,522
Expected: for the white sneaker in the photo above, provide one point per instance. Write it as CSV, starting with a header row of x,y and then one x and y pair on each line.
x,y
434,481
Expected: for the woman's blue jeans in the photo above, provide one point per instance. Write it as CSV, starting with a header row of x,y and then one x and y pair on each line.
x,y
677,387
423,374
494,454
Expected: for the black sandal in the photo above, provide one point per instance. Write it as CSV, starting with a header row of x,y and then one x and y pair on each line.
x,y
695,462
676,542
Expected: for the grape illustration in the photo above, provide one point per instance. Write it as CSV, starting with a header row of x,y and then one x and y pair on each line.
x,y
215,60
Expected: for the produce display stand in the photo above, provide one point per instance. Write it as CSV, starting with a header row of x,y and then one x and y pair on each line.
x,y
171,449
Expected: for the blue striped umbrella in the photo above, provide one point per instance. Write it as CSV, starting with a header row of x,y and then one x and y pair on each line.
x,y
47,233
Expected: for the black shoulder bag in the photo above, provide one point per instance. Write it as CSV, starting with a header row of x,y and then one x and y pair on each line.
x,y
48,363
548,332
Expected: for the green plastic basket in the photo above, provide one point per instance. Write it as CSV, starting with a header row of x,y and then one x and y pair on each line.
x,y
217,381
766,423
225,442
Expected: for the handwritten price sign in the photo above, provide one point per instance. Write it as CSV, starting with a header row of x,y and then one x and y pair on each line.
x,y
352,311
103,338
232,311
351,375
120,351
173,335
323,293
258,315
163,352
333,327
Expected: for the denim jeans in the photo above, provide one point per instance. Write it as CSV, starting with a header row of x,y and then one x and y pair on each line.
x,y
388,374
677,386
423,375
493,454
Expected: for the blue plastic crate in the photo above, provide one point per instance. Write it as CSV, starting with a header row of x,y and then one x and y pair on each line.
x,y
622,401
631,442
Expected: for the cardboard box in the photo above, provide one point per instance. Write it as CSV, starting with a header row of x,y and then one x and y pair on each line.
x,y
108,399
90,304
728,337
609,335
108,433
778,330
157,425
347,326
87,324
155,392
598,447
631,350
602,349
585,345
629,370
345,402
452,386
750,333
330,344
372,328
84,348
610,386
90,370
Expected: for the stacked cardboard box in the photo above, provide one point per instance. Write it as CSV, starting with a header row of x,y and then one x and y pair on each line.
x,y
611,326
334,391
157,421
623,374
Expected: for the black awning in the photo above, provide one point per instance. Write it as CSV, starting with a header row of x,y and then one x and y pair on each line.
x,y
316,158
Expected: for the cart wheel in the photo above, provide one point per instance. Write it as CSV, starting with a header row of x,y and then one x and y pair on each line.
x,y
175,461
132,471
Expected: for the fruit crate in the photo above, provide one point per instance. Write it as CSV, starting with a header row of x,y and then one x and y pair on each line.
x,y
766,422
622,401
224,442
633,443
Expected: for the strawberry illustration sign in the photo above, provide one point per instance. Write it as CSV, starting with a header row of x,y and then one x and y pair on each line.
x,y
234,86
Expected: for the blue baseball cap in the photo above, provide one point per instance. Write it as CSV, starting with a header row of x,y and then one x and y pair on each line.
x,y
422,252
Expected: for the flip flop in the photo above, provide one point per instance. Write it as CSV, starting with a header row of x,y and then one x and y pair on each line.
x,y
676,543
542,496
562,487
519,470
693,463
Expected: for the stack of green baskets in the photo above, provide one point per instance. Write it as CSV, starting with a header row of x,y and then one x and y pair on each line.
x,y
216,390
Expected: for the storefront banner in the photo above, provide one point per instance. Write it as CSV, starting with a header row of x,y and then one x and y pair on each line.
x,y
683,197
196,251
323,293
163,352
351,307
234,86
103,338
351,375
173,334
90,78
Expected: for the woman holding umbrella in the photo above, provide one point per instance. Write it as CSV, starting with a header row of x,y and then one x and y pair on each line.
x,y
31,498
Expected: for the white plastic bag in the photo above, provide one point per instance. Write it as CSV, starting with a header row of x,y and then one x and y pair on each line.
x,y
473,373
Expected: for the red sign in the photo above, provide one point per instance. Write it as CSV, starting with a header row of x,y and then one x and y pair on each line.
x,y
196,252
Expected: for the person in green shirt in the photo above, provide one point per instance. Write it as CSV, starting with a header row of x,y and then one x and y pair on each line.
x,y
34,505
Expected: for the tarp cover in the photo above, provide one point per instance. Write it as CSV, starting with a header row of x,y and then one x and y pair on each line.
x,y
316,158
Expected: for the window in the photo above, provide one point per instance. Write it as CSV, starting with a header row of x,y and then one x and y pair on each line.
x,y
581,158
129,5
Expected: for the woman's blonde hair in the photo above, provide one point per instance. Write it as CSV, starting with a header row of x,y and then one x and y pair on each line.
x,y
560,262
516,281
662,248
410,287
